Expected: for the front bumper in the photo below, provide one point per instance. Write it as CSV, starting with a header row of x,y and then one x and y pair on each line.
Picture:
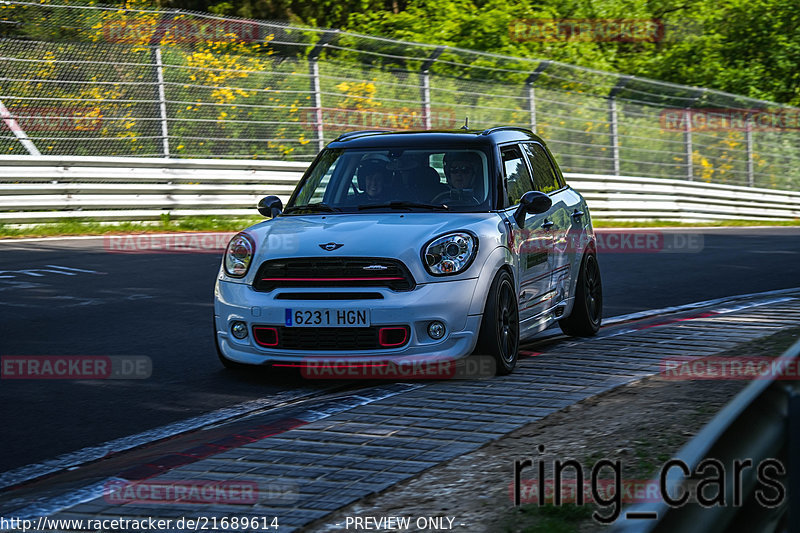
x,y
446,301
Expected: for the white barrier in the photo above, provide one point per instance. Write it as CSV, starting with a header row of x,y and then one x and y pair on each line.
x,y
625,197
49,188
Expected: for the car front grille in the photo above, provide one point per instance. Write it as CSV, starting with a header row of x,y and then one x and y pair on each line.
x,y
329,296
329,339
333,272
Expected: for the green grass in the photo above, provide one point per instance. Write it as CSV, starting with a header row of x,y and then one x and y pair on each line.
x,y
90,227
210,223
548,518
673,224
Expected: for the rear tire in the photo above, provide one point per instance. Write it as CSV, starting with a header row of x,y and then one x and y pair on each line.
x,y
499,333
587,310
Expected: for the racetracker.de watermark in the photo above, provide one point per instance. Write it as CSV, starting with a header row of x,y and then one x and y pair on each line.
x,y
75,367
638,241
603,490
587,30
183,31
191,243
686,368
474,367
347,119
238,492
721,119
608,241
51,119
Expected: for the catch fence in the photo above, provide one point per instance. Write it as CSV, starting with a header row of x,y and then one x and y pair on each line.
x,y
92,80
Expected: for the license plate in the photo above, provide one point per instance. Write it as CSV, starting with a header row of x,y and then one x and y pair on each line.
x,y
327,318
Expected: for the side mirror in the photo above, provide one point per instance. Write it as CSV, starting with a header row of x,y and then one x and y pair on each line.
x,y
532,202
270,206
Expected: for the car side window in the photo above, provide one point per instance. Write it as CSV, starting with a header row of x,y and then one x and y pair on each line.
x,y
517,177
545,178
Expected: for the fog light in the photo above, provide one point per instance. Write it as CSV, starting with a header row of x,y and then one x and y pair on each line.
x,y
436,330
239,330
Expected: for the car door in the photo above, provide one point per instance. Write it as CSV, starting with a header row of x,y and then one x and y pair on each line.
x,y
532,243
563,214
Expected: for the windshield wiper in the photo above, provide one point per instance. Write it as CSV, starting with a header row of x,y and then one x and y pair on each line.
x,y
403,205
318,206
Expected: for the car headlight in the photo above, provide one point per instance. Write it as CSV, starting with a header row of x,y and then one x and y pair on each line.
x,y
238,255
450,254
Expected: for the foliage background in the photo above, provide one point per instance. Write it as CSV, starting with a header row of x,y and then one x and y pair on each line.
x,y
748,47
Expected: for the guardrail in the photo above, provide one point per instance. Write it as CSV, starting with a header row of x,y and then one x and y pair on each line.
x,y
49,188
625,197
760,423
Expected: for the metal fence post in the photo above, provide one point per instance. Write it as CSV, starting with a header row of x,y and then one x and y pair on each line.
x,y
614,121
426,86
316,90
18,132
687,134
531,103
751,179
532,92
162,100
166,20
313,66
687,141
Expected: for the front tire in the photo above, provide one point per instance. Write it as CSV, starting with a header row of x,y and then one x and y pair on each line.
x,y
499,333
587,311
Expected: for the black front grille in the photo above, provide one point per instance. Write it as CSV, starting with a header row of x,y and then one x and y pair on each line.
x,y
329,296
328,338
333,272
333,338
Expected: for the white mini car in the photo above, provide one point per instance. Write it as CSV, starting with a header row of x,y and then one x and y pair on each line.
x,y
411,246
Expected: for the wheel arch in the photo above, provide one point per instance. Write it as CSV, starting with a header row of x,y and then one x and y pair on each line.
x,y
499,259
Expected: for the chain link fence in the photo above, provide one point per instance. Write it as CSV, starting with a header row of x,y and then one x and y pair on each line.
x,y
90,80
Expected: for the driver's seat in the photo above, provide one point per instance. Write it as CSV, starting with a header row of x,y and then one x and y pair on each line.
x,y
427,184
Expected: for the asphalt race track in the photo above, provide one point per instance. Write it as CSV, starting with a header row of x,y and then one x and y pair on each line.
x,y
71,297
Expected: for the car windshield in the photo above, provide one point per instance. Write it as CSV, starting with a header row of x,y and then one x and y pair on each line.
x,y
413,179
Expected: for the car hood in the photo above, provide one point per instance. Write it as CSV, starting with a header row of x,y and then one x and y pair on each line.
x,y
395,235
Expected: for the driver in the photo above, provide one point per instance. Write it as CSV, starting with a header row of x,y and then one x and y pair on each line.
x,y
462,170
371,179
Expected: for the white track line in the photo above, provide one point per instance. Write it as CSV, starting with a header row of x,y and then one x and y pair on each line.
x,y
695,305
554,332
717,312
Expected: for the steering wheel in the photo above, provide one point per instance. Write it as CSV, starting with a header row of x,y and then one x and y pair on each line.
x,y
439,199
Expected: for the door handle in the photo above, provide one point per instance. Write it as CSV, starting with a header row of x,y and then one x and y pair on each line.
x,y
577,214
547,224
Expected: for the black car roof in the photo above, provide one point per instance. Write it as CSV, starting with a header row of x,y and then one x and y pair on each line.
x,y
432,138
